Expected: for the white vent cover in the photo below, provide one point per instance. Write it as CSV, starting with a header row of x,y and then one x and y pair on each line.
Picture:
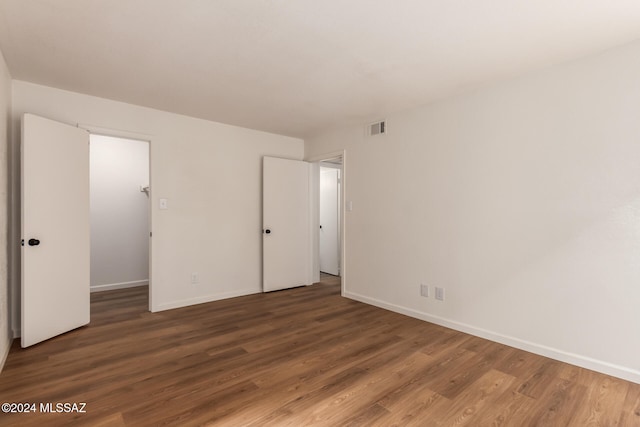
x,y
378,128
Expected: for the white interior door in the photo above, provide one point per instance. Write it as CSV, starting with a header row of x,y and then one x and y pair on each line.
x,y
329,221
55,228
286,234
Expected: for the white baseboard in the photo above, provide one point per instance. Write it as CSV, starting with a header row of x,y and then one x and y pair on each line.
x,y
123,285
204,299
3,357
563,356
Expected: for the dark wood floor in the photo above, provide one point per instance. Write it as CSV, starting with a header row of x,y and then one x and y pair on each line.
x,y
299,357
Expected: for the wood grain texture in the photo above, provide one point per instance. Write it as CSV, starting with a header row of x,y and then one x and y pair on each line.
x,y
298,357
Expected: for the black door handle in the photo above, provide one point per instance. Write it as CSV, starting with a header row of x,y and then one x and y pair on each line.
x,y
34,242
267,231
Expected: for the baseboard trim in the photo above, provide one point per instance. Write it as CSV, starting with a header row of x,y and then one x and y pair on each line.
x,y
618,371
203,299
3,357
123,285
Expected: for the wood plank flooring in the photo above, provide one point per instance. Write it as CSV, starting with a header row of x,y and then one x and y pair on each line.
x,y
299,357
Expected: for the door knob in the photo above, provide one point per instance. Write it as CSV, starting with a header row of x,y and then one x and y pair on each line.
x,y
34,242
267,231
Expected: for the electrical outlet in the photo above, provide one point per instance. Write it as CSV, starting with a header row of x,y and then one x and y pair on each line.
x,y
440,294
424,290
194,278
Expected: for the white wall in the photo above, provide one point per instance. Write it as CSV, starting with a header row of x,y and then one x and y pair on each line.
x,y
209,172
522,200
5,122
119,212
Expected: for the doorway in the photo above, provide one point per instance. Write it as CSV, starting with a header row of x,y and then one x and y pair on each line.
x,y
119,212
329,240
55,217
328,174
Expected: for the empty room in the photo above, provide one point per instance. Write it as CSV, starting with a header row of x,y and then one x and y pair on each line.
x,y
319,213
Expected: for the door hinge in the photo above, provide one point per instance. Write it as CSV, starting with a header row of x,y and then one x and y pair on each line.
x,y
150,234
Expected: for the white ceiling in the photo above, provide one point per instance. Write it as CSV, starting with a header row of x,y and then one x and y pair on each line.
x,y
294,67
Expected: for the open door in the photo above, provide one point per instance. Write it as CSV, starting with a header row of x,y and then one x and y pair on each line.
x,y
286,238
330,221
55,228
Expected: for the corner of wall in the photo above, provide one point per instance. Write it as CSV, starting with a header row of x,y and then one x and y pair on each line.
x,y
6,334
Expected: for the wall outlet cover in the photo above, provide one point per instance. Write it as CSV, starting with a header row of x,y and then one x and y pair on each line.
x,y
424,290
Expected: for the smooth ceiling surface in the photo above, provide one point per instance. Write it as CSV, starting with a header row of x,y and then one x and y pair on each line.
x,y
294,67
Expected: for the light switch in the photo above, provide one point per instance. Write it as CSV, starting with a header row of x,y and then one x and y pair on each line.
x,y
164,203
349,206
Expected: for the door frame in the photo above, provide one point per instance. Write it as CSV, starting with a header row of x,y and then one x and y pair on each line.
x,y
314,212
116,133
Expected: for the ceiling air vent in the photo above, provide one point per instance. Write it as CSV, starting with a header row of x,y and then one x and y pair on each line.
x,y
378,128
